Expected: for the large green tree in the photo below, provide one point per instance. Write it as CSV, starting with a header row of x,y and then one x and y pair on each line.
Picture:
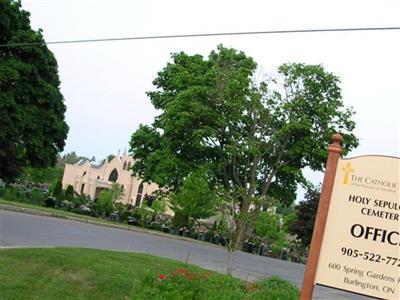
x,y
32,126
306,211
255,137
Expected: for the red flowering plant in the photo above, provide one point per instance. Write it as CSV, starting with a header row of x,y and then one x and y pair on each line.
x,y
187,283
162,276
182,283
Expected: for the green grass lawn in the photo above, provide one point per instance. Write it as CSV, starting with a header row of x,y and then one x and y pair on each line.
x,y
78,273
74,273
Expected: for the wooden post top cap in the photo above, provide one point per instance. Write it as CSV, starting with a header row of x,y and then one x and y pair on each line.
x,y
335,146
337,138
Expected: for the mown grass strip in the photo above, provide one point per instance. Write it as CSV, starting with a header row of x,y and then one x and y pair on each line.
x,y
74,273
79,273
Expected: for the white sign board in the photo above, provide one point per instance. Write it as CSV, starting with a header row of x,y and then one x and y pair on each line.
x,y
361,244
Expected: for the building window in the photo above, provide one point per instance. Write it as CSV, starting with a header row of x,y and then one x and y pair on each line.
x,y
124,167
129,166
113,176
83,184
139,195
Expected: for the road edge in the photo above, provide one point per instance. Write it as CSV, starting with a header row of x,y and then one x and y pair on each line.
x,y
82,219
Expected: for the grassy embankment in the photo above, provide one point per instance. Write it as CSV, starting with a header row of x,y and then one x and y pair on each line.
x,y
75,273
59,213
70,273
54,212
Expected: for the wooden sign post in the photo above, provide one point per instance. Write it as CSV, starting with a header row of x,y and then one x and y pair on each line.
x,y
334,153
356,237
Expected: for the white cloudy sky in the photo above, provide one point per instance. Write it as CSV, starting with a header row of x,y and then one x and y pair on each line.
x,y
104,84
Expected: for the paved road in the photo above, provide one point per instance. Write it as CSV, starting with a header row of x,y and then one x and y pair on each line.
x,y
18,229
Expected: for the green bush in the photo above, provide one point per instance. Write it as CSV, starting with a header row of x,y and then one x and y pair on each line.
x,y
78,201
76,210
50,202
10,194
186,284
37,197
123,212
15,194
145,215
104,205
195,200
180,220
41,175
275,288
69,192
33,196
56,189
2,192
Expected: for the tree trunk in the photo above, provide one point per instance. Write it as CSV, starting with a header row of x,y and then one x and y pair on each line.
x,y
229,262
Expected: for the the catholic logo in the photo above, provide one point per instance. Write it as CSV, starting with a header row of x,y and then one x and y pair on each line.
x,y
347,170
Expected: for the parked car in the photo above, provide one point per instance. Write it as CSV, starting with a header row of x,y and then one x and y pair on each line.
x,y
133,221
85,209
114,217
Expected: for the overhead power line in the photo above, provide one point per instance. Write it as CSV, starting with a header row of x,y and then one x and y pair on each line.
x,y
153,37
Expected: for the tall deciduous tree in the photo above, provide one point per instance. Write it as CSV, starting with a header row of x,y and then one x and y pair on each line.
x,y
254,137
306,212
32,126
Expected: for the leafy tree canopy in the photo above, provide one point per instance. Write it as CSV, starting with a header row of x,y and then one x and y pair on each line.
x,y
117,192
254,136
306,212
270,231
195,200
32,125
105,202
268,226
41,175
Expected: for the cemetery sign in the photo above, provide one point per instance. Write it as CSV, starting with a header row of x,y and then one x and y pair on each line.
x,y
356,239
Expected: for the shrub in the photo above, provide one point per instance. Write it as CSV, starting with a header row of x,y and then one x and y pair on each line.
x,y
15,194
66,205
56,189
2,192
123,212
69,193
77,201
195,200
41,175
180,220
76,210
37,197
186,284
104,203
10,194
50,202
275,288
145,215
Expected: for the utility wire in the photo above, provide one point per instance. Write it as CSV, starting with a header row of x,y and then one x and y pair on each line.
x,y
153,37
